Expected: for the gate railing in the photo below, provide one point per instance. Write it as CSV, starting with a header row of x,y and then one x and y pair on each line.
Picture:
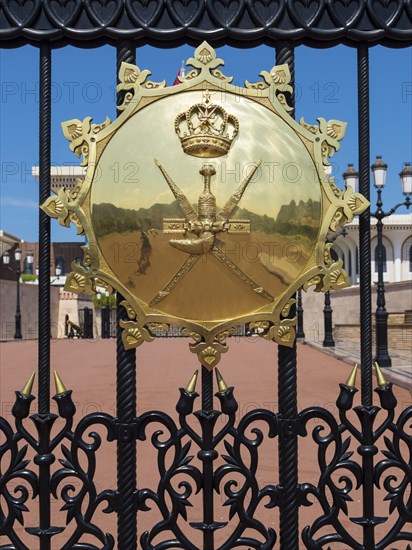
x,y
126,24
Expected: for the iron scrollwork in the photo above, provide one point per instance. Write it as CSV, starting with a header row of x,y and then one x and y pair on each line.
x,y
342,471
80,506
363,473
207,479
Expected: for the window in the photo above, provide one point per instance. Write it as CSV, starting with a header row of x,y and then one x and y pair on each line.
x,y
383,259
410,258
27,268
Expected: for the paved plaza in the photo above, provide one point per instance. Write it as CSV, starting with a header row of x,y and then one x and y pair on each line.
x,y
348,351
88,368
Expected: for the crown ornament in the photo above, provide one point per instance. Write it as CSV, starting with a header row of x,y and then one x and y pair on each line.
x,y
206,130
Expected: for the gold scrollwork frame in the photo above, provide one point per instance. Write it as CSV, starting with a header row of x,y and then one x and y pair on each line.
x,y
88,141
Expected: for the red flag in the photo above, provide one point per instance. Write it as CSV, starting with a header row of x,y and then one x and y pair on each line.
x,y
181,73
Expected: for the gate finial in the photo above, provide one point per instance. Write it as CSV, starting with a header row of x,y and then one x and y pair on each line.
x,y
380,379
60,387
191,386
351,381
28,386
220,381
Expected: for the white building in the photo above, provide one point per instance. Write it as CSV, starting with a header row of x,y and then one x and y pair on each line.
x,y
397,253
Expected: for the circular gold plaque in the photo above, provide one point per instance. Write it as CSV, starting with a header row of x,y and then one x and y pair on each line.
x,y
272,232
205,205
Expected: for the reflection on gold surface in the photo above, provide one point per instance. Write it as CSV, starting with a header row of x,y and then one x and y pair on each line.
x,y
235,236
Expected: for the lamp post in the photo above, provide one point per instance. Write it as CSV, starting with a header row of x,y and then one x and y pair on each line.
x,y
105,313
300,334
17,271
328,341
58,272
379,169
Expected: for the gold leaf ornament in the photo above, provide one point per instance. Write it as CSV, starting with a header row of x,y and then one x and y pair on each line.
x,y
353,203
53,207
75,282
133,335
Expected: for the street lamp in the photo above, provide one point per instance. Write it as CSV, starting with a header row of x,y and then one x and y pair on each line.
x,y
351,177
379,169
58,272
17,271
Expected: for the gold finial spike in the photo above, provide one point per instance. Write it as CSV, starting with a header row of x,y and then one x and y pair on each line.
x,y
220,382
379,376
191,387
28,386
60,387
351,381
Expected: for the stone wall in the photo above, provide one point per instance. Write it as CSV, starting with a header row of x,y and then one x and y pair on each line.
x,y
29,310
346,314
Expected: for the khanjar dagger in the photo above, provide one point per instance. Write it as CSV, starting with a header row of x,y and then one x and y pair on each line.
x,y
206,224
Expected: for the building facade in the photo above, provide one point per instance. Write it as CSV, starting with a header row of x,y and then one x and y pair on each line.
x,y
397,251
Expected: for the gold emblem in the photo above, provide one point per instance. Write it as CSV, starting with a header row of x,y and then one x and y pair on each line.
x,y
206,223
206,206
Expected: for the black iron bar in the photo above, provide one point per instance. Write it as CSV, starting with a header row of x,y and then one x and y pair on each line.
x,y
365,287
44,458
126,404
287,396
207,389
44,230
207,454
364,228
300,334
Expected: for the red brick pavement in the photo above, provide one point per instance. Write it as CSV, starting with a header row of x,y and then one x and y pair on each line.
x,y
88,367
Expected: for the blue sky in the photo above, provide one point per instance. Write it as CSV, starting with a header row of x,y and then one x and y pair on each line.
x,y
84,85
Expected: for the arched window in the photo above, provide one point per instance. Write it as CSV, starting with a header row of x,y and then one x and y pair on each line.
x,y
410,258
350,263
383,258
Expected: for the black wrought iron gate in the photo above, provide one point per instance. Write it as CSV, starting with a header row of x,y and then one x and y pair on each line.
x,y
283,25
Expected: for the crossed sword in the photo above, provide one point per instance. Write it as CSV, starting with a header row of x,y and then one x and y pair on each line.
x,y
209,243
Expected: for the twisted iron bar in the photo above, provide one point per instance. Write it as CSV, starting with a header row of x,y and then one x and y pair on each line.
x,y
287,394
125,399
364,227
288,448
44,230
207,389
285,53
126,445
